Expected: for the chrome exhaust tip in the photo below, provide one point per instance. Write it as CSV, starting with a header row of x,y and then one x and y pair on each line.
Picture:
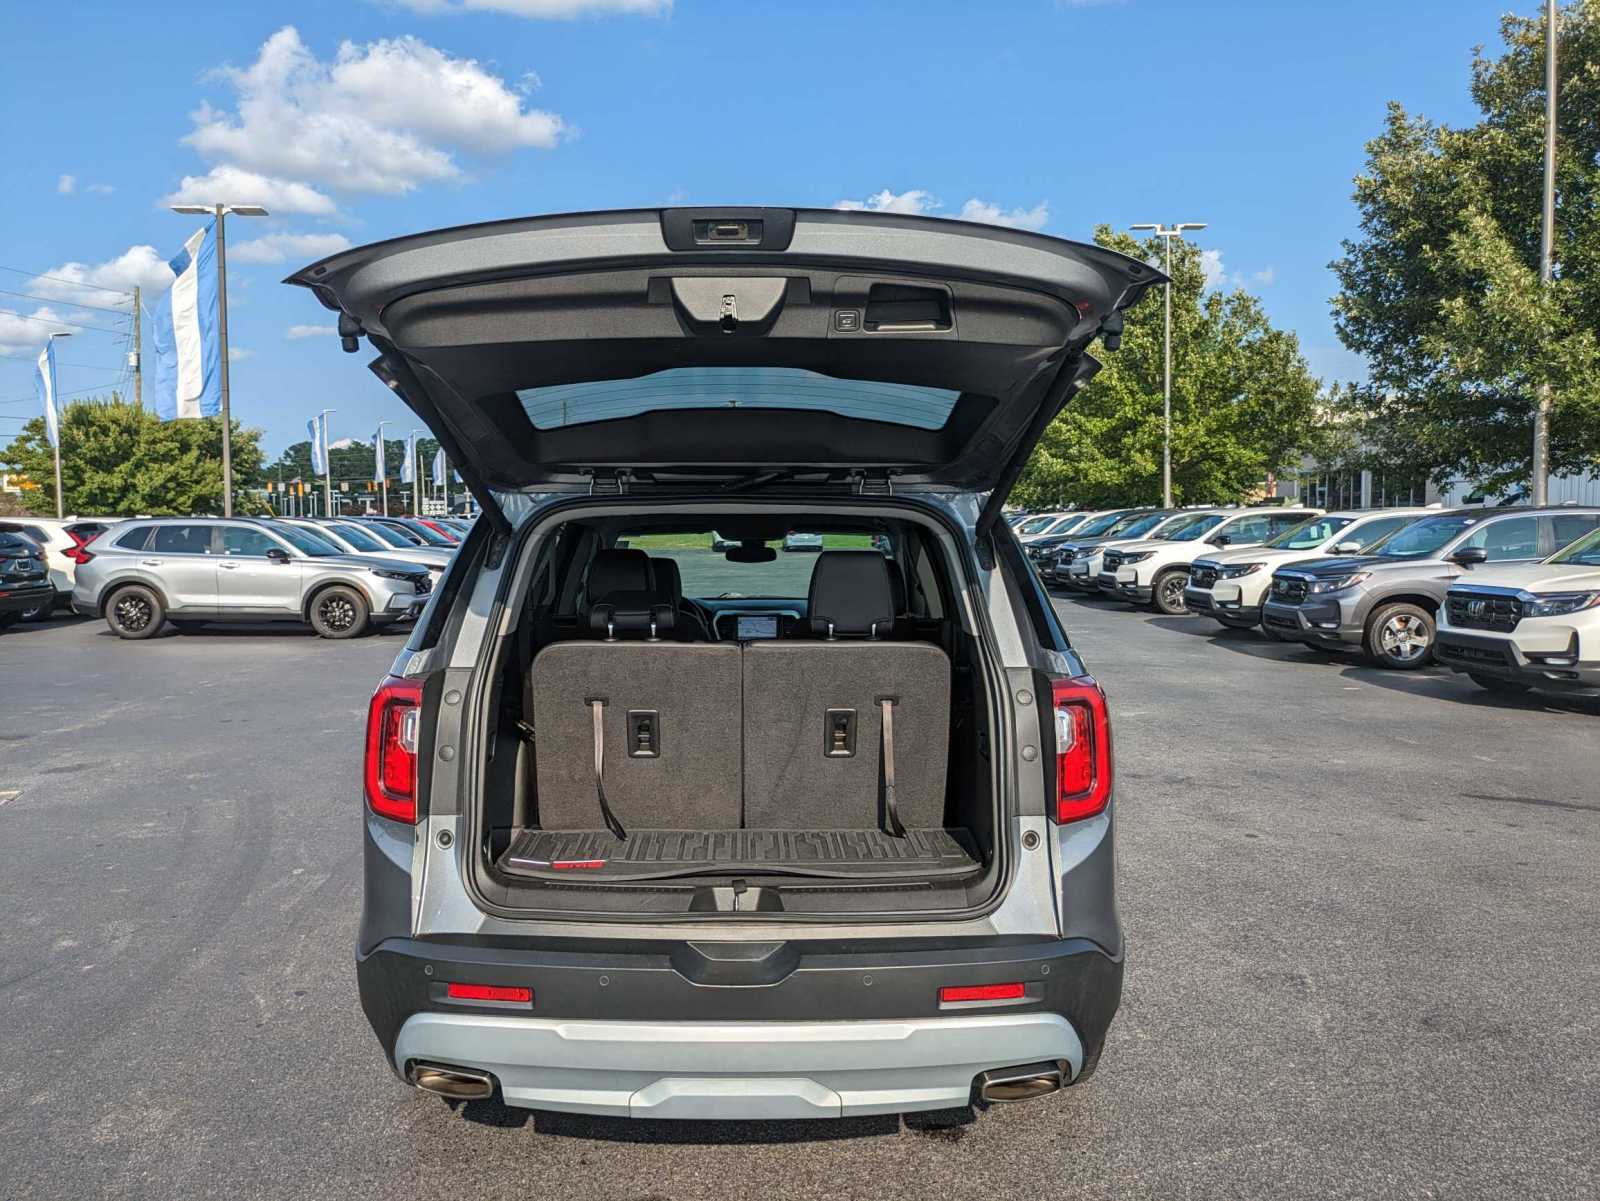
x,y
1024,1083
455,1084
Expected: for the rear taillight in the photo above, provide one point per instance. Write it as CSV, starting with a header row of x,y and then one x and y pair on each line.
x,y
79,551
391,767
1083,748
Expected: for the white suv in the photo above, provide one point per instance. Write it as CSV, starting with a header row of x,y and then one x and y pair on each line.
x,y
1523,626
1156,572
1232,584
62,540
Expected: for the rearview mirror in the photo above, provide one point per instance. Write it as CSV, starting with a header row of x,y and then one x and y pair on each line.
x,y
1347,548
1469,556
277,554
750,552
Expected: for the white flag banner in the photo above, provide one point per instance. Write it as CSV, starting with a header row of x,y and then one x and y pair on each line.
x,y
380,467
318,428
45,384
186,334
438,466
408,469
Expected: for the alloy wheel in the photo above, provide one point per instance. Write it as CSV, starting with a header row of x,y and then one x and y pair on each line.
x,y
1405,637
337,613
1172,593
133,613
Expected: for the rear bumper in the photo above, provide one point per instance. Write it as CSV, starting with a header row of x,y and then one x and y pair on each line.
x,y
19,598
684,1032
1503,659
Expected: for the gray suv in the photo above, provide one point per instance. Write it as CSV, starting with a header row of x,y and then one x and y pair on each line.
x,y
190,571
1386,602
660,830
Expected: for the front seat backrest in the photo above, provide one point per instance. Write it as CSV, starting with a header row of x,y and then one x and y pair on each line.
x,y
850,595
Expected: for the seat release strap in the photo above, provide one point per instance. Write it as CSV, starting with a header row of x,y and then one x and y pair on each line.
x,y
598,707
891,809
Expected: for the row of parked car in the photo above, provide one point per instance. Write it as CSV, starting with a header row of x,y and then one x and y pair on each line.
x,y
1510,596
342,575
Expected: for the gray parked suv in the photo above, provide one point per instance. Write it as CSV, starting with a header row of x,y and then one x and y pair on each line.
x,y
191,571
1386,603
663,831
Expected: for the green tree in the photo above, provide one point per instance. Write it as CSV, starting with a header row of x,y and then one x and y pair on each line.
x,y
353,464
1244,404
1441,292
118,458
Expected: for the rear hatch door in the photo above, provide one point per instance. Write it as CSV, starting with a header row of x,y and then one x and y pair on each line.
x,y
794,344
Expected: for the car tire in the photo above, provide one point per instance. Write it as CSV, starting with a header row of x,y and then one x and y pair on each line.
x,y
1497,684
1400,637
40,612
340,612
1166,592
134,612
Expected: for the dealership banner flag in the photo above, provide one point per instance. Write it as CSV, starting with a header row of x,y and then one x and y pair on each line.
x,y
380,466
186,334
318,427
408,469
45,385
438,466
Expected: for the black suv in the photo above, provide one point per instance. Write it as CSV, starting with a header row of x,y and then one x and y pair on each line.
x,y
24,579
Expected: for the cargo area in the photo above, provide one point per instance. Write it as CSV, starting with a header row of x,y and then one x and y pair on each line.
x,y
747,713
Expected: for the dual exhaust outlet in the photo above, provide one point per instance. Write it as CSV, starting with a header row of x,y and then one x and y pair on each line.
x,y
997,1086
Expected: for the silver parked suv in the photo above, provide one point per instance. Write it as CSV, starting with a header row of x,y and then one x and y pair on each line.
x,y
659,830
191,571
1386,602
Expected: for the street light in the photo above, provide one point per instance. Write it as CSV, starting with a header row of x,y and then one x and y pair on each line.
x,y
221,211
56,401
1167,232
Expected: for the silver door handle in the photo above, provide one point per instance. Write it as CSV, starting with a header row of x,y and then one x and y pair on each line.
x,y
150,562
228,566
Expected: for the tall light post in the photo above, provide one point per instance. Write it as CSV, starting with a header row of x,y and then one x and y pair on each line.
x,y
55,403
1547,251
1167,232
327,464
220,212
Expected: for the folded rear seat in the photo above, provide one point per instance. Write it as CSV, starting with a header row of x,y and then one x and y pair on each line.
x,y
668,715
817,749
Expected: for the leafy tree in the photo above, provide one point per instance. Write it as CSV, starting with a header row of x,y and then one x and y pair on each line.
x,y
1441,292
353,464
1244,404
117,457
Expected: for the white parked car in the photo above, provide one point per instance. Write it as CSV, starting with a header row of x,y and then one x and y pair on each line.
x,y
1156,572
62,540
1231,584
359,538
1527,625
1077,561
1042,525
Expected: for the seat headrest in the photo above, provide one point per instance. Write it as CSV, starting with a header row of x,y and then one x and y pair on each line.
x,y
617,571
850,595
669,580
632,613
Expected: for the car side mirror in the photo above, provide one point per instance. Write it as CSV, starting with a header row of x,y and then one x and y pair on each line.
x,y
1220,540
1347,548
1470,556
277,554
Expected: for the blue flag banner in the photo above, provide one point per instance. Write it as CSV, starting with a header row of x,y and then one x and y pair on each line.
x,y
379,465
45,384
438,466
318,428
185,334
408,469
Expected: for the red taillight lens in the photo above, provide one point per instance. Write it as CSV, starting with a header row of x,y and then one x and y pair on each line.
x,y
983,992
488,992
78,552
391,767
1083,748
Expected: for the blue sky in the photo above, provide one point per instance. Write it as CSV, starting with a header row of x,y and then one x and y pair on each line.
x,y
358,120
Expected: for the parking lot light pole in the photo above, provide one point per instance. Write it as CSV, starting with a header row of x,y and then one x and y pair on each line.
x,y
1167,232
220,212
1547,249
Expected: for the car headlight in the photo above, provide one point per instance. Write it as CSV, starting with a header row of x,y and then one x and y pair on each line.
x,y
1339,583
1557,604
409,577
1137,558
1232,571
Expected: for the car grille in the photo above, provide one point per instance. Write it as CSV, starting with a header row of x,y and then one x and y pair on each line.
x,y
1484,611
1289,590
1202,576
1471,654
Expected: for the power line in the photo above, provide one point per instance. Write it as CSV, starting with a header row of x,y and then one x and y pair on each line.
x,y
76,283
29,358
71,304
56,321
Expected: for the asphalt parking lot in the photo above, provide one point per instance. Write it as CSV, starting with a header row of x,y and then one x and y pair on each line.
x,y
1364,954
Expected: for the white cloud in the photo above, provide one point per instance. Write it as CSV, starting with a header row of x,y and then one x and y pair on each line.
x,y
381,118
139,266
1218,276
1035,218
100,189
27,331
1211,265
67,184
918,201
236,186
541,8
275,248
1265,278
311,331
238,354
914,201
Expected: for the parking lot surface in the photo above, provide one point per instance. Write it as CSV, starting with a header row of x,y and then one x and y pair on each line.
x,y
1364,954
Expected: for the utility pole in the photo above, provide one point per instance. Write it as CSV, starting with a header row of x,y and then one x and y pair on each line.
x,y
1547,252
1167,233
137,364
219,213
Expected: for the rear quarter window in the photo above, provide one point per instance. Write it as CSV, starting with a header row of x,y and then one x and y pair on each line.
x,y
134,539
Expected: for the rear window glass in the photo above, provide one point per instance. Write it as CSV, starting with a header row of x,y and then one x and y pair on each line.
x,y
709,574
737,387
134,539
182,539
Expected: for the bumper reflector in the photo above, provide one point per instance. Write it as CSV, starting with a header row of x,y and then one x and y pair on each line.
x,y
488,992
982,992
